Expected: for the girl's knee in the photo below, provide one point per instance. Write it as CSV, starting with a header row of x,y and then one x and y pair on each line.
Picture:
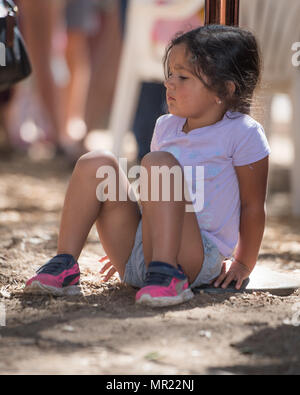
x,y
92,161
159,158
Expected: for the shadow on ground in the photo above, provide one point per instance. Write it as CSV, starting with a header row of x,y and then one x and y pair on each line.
x,y
281,345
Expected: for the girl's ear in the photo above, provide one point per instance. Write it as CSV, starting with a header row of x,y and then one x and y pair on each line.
x,y
230,85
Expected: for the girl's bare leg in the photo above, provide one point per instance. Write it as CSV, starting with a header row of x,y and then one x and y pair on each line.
x,y
170,234
116,222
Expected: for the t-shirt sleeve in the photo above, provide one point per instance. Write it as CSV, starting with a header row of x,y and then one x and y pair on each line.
x,y
250,145
157,132
154,141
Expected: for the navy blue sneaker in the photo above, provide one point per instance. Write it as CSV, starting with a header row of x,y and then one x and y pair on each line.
x,y
165,286
60,276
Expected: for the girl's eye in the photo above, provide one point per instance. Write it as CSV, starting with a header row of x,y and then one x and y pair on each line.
x,y
180,77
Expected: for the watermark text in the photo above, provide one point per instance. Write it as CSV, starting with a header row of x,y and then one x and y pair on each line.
x,y
2,314
2,55
296,55
165,183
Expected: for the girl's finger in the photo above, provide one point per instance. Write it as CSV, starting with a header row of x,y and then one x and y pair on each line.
x,y
220,279
239,283
222,275
105,267
110,274
229,277
103,259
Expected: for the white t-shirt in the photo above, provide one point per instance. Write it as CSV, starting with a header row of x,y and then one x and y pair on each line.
x,y
236,140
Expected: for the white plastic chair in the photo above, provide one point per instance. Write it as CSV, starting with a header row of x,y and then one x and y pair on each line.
x,y
140,60
276,25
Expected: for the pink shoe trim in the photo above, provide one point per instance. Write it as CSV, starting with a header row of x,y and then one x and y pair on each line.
x,y
157,291
56,281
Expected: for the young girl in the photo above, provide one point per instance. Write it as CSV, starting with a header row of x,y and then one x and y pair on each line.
x,y
211,74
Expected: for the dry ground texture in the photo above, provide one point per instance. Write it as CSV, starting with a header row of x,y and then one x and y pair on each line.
x,y
103,331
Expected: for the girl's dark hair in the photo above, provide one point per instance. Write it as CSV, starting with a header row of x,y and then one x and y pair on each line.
x,y
221,54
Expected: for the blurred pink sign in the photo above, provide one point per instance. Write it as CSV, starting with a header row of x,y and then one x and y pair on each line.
x,y
164,30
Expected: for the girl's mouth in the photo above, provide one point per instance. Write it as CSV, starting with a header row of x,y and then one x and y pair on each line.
x,y
170,98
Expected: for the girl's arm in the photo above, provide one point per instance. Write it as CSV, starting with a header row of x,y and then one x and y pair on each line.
x,y
252,185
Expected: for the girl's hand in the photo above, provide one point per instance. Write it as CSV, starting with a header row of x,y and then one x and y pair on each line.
x,y
108,265
232,271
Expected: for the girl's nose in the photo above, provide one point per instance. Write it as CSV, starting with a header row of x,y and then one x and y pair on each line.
x,y
168,82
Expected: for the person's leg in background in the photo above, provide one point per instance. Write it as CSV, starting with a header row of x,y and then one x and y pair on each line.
x,y
105,47
39,19
80,23
150,106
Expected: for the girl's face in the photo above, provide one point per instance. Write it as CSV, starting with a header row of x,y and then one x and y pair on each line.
x,y
187,96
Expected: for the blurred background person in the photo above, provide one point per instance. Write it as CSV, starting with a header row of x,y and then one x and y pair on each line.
x,y
92,54
70,43
39,21
105,48
75,47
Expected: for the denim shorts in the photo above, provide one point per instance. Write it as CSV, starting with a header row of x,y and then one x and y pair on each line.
x,y
135,271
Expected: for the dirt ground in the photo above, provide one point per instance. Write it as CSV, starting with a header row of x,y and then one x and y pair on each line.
x,y
103,331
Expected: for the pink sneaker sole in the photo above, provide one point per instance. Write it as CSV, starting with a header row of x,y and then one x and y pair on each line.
x,y
162,301
36,287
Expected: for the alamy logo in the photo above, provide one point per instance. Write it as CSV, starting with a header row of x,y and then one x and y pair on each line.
x,y
2,55
2,314
192,191
296,56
